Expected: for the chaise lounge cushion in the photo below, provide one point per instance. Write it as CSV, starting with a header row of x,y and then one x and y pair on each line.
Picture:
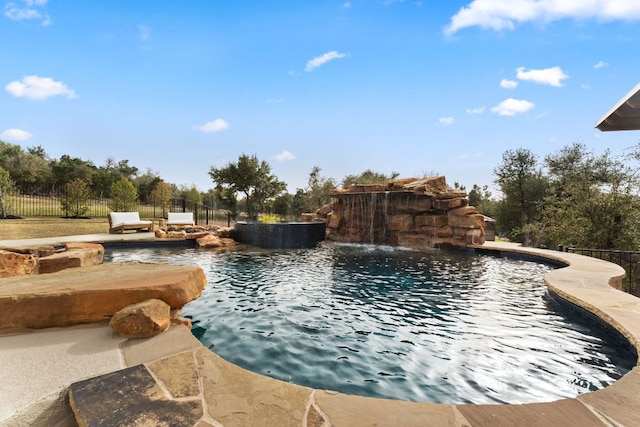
x,y
180,218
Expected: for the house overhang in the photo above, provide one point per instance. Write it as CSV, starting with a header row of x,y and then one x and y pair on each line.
x,y
625,115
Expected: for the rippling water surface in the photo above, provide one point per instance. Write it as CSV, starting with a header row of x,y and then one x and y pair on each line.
x,y
438,327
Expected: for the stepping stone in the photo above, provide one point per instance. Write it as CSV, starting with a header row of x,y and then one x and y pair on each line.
x,y
130,397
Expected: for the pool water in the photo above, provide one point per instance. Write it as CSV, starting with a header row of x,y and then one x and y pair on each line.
x,y
441,327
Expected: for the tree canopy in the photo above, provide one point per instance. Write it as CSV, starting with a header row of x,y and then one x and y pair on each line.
x,y
123,195
252,178
523,187
368,177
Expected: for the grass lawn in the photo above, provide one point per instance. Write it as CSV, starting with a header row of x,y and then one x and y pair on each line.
x,y
36,227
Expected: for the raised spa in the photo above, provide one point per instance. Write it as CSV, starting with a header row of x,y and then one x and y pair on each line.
x,y
442,327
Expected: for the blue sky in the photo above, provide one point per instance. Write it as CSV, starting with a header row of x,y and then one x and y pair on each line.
x,y
415,87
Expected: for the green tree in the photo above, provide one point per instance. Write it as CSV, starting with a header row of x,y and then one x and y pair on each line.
x,y
123,196
592,200
282,204
7,189
299,203
251,177
68,168
318,190
368,177
145,184
228,200
523,188
481,198
75,203
161,196
103,178
192,197
30,171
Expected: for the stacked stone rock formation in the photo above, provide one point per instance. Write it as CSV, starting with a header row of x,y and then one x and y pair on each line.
x,y
416,213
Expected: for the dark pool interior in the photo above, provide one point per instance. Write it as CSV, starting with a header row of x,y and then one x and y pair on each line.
x,y
440,326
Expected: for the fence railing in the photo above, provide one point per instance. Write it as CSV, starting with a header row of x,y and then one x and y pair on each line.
x,y
629,260
25,205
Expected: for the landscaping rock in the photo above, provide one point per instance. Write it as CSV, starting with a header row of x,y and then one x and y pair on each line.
x,y
75,255
227,232
197,234
15,264
176,234
93,294
144,319
210,241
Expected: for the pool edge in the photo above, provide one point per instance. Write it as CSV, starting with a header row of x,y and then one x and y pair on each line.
x,y
584,282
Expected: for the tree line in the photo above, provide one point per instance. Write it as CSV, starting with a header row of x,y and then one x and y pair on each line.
x,y
34,172
571,197
244,186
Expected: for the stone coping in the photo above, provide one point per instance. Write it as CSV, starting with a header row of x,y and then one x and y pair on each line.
x,y
175,369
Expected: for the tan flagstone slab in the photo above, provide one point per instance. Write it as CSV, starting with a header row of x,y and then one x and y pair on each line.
x,y
237,397
620,402
561,413
178,374
356,411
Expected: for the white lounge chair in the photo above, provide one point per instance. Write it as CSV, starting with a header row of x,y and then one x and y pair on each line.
x,y
180,219
121,221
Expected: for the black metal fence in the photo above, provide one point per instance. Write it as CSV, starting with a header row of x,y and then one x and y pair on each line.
x,y
204,214
629,260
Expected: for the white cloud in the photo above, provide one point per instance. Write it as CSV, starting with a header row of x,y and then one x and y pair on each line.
x,y
346,5
35,87
216,125
446,120
549,76
144,33
478,110
601,64
275,100
27,9
501,15
284,156
323,59
508,84
15,134
511,107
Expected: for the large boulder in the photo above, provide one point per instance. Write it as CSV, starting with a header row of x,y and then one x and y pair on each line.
x,y
93,294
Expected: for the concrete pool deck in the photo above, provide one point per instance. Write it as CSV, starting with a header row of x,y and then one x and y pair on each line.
x,y
181,376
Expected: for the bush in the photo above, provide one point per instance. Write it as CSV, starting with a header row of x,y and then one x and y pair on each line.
x,y
75,202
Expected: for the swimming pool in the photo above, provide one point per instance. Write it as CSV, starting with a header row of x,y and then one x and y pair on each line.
x,y
442,327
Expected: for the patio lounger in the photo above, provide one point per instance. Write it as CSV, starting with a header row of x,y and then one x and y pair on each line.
x,y
122,221
180,219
